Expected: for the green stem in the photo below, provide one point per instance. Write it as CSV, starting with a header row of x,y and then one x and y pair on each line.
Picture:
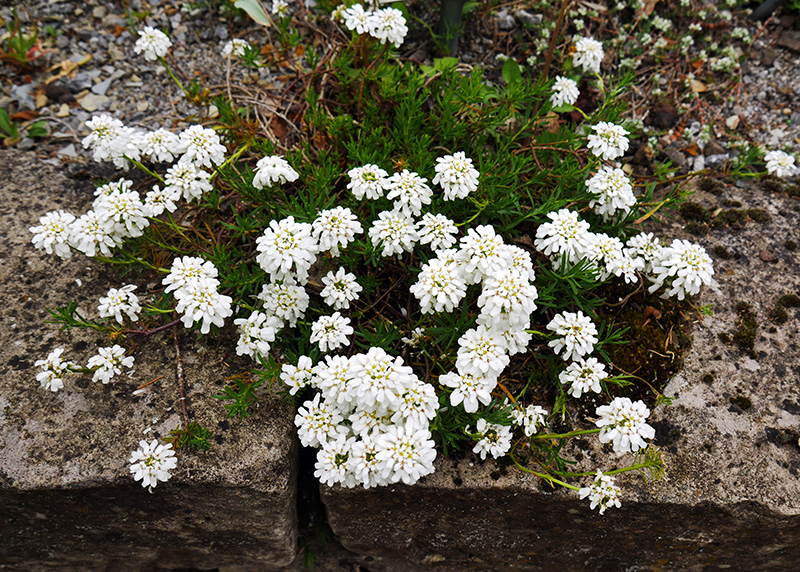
x,y
567,435
544,476
145,169
175,79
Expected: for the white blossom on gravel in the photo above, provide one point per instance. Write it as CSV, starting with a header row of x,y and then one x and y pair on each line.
x,y
530,419
152,462
331,332
202,146
54,369
124,211
159,200
340,289
296,377
287,250
152,43
495,439
235,48
334,228
286,301
256,334
317,422
683,267
613,190
199,300
456,175
394,231
608,141
602,492
369,181
119,301
780,164
589,55
409,192
565,92
576,333
108,363
437,230
161,146
583,376
622,423
273,169
645,247
470,389
107,137
187,179
92,233
280,8
52,234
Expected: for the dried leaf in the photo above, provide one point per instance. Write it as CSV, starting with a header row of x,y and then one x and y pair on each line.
x,y
692,150
698,86
648,7
24,115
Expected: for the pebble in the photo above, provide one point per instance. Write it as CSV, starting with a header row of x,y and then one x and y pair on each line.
x,y
68,151
92,102
99,12
505,21
115,53
102,87
528,18
142,106
63,111
732,122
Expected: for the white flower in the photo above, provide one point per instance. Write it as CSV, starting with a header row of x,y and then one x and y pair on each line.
x,y
160,145
256,333
530,418
124,211
608,141
286,246
340,288
584,376
120,301
508,297
109,362
154,43
53,370
331,332
684,267
356,19
780,164
152,462
645,247
273,169
456,175
565,92
589,54
622,423
114,188
388,25
380,380
625,265
333,462
481,352
577,334
370,180
158,200
417,407
482,253
334,378
199,300
288,302
409,192
187,179
365,464
439,287
602,250
52,233
395,231
187,270
495,439
236,47
602,492
469,389
202,147
107,137
405,455
296,377
437,230
614,190
317,422
334,228
280,8
519,260
565,235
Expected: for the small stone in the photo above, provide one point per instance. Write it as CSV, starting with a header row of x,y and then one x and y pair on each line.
x,y
116,54
699,163
767,255
99,12
68,151
102,87
41,100
505,21
213,112
713,148
63,111
92,102
528,18
142,106
786,111
732,122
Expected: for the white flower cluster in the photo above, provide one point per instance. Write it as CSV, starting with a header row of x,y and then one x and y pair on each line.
x,y
385,25
622,423
602,492
151,463
370,419
194,284
54,369
565,92
608,140
780,164
588,55
153,43
236,48
613,190
108,363
119,301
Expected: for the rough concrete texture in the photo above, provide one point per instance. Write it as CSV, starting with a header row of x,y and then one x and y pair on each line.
x,y
731,498
66,495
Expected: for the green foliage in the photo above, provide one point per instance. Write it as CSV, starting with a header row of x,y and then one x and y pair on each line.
x,y
239,395
69,318
9,128
193,435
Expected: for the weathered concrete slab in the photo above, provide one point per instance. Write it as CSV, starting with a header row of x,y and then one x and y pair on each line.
x,y
66,495
731,499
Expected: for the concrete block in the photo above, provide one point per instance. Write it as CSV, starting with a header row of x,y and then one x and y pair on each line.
x,y
731,498
67,497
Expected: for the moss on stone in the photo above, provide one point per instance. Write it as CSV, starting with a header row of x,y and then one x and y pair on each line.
x,y
744,335
741,402
694,212
721,252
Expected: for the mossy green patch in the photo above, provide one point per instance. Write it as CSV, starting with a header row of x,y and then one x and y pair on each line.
x,y
744,335
712,186
721,252
694,212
